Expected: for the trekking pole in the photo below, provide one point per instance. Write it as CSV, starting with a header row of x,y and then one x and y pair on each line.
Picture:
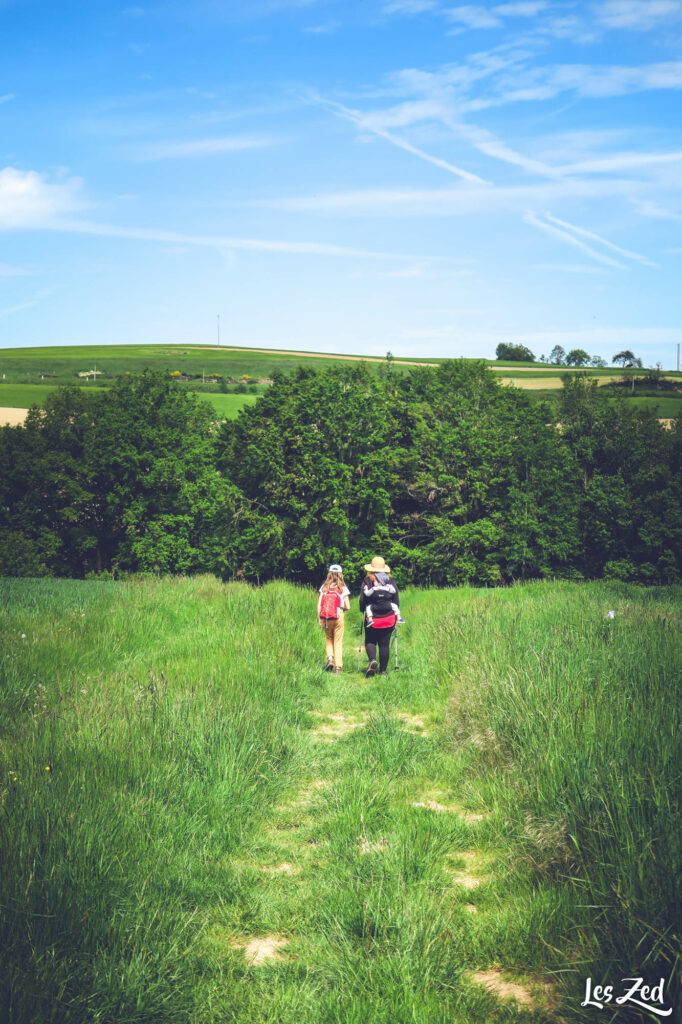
x,y
395,644
362,632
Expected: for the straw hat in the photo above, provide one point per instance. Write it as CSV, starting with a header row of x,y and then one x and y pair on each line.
x,y
377,565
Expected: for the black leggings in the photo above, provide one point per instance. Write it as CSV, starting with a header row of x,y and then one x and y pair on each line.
x,y
378,637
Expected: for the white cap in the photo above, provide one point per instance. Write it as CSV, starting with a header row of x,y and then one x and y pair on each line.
x,y
335,568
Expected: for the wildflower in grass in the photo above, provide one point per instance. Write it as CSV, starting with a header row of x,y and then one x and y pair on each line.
x,y
610,615
23,636
48,767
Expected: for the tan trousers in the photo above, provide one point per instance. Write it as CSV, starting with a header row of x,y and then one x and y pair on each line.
x,y
333,635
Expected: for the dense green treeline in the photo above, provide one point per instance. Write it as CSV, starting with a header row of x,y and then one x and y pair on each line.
x,y
454,478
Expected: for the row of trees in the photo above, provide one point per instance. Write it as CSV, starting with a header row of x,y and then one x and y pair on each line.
x,y
452,478
559,357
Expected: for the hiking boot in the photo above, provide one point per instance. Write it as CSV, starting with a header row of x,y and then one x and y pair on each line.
x,y
329,666
372,669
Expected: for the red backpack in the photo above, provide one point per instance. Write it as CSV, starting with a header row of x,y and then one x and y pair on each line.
x,y
330,604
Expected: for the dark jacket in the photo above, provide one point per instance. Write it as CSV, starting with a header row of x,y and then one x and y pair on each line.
x,y
381,598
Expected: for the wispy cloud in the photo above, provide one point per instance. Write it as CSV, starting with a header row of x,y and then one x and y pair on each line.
x,y
19,307
570,268
189,148
7,97
323,30
472,16
9,310
29,202
527,9
650,208
463,200
583,232
638,15
83,227
409,6
620,162
487,143
369,124
532,219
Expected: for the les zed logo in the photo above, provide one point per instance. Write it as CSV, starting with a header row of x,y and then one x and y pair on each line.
x,y
638,994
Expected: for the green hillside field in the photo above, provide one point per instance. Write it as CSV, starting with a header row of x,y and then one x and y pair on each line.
x,y
200,825
62,365
31,373
23,396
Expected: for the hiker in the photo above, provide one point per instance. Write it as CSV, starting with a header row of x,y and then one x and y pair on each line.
x,y
380,602
333,601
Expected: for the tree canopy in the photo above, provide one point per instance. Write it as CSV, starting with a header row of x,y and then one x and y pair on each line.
x,y
450,476
517,353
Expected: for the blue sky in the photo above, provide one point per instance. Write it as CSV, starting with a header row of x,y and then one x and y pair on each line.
x,y
414,175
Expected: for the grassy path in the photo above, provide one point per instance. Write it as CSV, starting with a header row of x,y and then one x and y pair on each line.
x,y
376,889
198,825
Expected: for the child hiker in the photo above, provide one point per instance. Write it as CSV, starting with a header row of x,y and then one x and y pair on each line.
x,y
333,601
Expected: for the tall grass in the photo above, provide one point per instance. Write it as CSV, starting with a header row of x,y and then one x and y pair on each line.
x,y
155,737
139,744
574,717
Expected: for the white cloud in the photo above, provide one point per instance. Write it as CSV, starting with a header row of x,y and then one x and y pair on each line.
x,y
484,141
27,199
462,200
649,208
369,123
7,97
638,14
472,16
226,242
570,268
177,150
9,310
29,202
521,10
323,30
620,162
409,6
532,219
599,238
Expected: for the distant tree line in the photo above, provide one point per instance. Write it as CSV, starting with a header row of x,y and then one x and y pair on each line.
x,y
451,477
559,357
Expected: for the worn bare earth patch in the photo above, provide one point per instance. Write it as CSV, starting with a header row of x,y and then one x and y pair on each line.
x,y
259,950
437,800
474,870
535,994
333,727
413,723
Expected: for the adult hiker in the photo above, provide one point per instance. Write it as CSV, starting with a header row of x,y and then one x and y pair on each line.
x,y
380,602
332,602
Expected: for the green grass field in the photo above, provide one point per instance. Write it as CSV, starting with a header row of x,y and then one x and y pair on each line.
x,y
23,396
185,791
27,370
63,364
